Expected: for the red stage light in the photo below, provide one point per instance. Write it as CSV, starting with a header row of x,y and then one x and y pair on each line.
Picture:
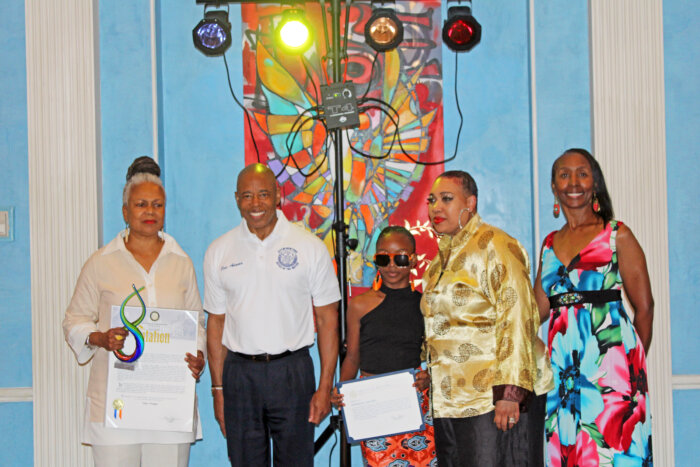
x,y
461,31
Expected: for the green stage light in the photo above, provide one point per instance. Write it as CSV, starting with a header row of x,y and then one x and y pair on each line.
x,y
293,33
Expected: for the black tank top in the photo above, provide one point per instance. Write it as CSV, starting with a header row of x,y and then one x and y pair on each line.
x,y
391,335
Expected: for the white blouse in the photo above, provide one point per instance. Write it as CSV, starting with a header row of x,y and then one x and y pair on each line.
x,y
105,281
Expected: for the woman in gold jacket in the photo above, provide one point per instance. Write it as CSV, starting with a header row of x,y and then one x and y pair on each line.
x,y
488,367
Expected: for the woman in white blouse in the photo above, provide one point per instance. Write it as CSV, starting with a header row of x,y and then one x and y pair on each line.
x,y
143,255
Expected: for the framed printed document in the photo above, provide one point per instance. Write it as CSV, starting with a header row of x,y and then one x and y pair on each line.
x,y
155,392
382,405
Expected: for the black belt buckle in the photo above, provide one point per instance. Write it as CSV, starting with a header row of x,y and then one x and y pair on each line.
x,y
584,296
265,357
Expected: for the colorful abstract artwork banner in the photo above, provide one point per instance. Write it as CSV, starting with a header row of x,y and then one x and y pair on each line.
x,y
281,94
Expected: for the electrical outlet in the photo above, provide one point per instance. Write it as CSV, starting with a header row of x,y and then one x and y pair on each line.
x,y
6,224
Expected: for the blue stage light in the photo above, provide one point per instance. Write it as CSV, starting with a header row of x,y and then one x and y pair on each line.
x,y
212,35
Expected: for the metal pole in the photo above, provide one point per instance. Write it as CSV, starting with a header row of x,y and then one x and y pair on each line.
x,y
339,226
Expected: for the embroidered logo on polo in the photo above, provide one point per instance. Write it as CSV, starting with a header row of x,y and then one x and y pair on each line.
x,y
287,258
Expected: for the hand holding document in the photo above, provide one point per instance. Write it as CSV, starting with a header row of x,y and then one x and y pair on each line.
x,y
381,405
155,392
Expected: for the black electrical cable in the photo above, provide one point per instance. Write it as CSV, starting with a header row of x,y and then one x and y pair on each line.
x,y
294,125
395,121
344,53
393,140
311,79
362,153
293,134
459,110
371,75
325,37
335,443
247,114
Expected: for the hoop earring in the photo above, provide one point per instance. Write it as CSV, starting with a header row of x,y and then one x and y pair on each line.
x,y
596,204
460,217
377,283
556,209
126,235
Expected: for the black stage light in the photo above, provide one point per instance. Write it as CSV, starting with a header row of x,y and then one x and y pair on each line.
x,y
212,35
384,30
461,31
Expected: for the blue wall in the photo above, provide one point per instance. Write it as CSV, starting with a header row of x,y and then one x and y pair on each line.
x,y
15,303
200,149
686,407
682,75
563,92
125,99
494,96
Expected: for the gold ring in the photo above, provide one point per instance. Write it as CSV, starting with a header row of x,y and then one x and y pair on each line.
x,y
119,337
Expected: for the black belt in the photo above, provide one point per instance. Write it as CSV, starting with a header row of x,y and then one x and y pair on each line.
x,y
586,296
266,357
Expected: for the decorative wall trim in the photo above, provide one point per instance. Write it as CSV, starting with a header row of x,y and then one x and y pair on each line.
x,y
682,382
535,167
629,139
154,77
62,128
16,395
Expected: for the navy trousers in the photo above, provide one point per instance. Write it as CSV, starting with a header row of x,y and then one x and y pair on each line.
x,y
269,400
477,442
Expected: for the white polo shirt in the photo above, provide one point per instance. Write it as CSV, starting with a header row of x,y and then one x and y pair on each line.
x,y
267,287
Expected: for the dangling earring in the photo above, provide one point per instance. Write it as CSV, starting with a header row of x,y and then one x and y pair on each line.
x,y
596,204
410,281
557,209
126,235
377,283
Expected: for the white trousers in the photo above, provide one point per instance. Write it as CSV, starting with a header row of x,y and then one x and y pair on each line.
x,y
142,455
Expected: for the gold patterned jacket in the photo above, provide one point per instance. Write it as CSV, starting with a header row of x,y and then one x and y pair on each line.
x,y
481,322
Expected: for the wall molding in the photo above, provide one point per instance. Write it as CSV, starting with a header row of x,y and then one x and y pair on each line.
x,y
16,395
684,382
62,126
534,145
629,139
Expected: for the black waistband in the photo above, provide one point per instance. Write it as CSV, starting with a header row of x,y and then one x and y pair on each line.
x,y
266,357
586,296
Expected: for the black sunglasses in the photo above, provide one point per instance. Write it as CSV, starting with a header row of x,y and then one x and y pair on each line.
x,y
401,260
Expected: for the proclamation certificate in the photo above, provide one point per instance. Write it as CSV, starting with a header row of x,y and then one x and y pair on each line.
x,y
381,405
155,392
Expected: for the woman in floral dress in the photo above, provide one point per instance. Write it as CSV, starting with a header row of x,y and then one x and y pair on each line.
x,y
599,410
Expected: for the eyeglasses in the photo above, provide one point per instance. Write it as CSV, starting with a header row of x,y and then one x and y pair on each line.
x,y
401,260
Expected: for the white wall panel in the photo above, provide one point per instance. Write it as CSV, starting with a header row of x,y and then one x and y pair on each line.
x,y
64,209
627,80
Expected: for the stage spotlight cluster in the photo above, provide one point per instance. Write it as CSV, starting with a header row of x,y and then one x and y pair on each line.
x,y
461,31
293,33
383,30
212,35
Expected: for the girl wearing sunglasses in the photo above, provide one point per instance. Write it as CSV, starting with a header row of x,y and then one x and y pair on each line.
x,y
385,333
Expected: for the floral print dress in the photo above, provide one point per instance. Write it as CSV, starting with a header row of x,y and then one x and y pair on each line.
x,y
599,410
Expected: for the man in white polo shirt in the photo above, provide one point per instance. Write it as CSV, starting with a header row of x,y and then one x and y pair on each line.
x,y
264,281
